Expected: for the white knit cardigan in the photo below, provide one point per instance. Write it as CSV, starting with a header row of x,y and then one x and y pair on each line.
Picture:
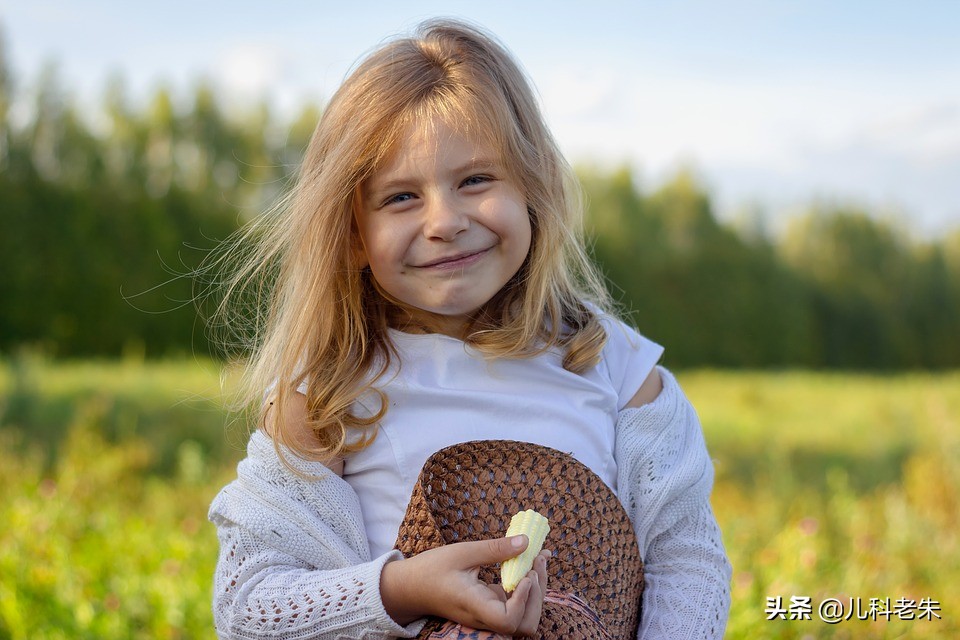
x,y
294,561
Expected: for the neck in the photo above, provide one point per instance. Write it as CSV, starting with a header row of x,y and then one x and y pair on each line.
x,y
425,322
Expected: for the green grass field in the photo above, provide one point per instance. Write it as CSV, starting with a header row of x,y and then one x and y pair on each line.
x,y
827,486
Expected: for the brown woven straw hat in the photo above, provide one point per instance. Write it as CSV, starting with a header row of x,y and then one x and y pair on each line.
x,y
470,491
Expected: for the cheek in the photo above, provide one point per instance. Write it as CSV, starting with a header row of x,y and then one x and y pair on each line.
x,y
524,255
384,249
522,231
372,241
528,229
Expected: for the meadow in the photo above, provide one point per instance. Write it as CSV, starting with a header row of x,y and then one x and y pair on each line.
x,y
827,486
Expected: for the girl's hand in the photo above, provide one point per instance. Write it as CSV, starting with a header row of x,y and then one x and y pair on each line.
x,y
444,582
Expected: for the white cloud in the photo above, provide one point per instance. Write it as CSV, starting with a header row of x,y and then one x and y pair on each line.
x,y
778,141
251,70
907,164
926,135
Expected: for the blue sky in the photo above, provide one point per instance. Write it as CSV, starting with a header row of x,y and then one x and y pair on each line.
x,y
774,103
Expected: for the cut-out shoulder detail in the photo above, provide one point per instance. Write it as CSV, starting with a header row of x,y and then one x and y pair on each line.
x,y
648,391
295,427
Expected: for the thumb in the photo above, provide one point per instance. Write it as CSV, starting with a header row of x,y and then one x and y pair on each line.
x,y
486,552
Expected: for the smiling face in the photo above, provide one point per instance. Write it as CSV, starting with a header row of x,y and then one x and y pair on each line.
x,y
442,225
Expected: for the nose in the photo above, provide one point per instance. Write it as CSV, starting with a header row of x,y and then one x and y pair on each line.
x,y
443,219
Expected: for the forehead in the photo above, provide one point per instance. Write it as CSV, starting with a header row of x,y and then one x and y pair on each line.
x,y
435,141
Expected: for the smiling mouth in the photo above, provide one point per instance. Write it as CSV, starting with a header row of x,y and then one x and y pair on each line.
x,y
457,261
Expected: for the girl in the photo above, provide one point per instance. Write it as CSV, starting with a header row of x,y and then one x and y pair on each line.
x,y
429,286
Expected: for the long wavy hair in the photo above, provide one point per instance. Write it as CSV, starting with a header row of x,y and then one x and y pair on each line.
x,y
304,307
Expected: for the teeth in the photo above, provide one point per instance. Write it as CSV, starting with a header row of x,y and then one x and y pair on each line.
x,y
536,528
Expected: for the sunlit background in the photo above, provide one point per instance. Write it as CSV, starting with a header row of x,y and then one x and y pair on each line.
x,y
772,102
774,195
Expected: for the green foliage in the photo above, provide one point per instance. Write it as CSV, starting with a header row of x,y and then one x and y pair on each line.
x,y
839,289
691,283
160,404
835,486
827,485
95,545
96,271
105,225
98,549
878,301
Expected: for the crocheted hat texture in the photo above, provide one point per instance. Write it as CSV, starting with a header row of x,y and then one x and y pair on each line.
x,y
469,491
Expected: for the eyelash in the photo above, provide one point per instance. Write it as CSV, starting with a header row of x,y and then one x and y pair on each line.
x,y
467,182
481,177
396,198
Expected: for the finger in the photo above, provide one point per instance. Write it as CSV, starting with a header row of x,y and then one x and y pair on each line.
x,y
486,552
531,615
540,566
510,614
517,601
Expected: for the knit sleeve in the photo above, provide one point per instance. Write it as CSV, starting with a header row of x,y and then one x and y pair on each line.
x,y
665,479
294,562
687,591
261,592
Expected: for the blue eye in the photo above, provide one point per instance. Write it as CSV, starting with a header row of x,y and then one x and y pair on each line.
x,y
475,180
400,197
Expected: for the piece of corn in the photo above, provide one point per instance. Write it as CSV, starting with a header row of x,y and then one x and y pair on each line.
x,y
536,528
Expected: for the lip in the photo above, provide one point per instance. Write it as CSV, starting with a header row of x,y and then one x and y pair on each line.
x,y
456,261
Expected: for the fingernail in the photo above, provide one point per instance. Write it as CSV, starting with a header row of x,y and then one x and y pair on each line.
x,y
517,541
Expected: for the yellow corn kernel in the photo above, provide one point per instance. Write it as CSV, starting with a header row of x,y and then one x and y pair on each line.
x,y
536,528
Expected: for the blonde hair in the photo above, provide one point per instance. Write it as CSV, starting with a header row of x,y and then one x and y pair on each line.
x,y
317,316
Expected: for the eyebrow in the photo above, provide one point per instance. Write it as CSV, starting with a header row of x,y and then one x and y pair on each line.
x,y
479,164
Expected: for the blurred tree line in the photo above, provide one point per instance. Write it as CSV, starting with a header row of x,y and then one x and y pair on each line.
x,y
104,214
838,288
